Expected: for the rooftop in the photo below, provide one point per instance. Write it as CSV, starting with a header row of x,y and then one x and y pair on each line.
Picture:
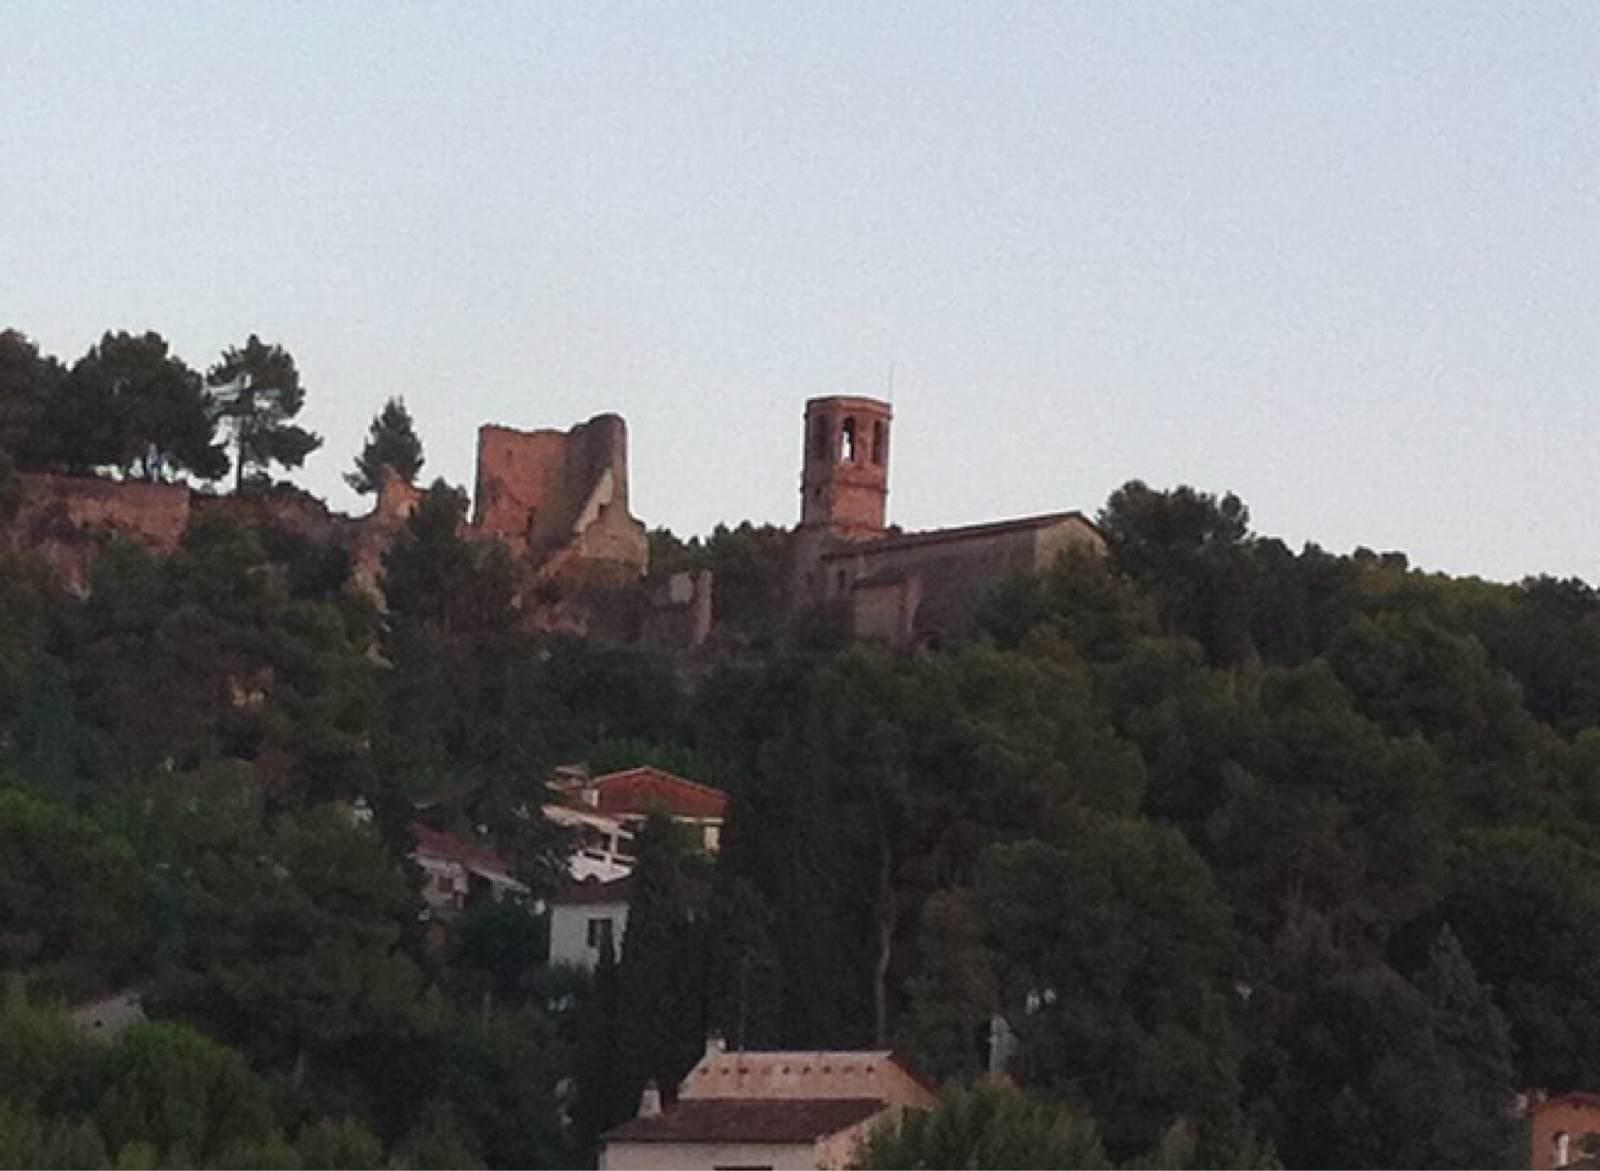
x,y
646,789
1575,1099
748,1120
480,859
994,528
797,1074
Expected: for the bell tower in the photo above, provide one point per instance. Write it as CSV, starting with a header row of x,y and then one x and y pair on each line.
x,y
844,485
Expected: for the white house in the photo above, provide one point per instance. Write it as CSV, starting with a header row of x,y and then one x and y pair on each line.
x,y
583,915
625,799
605,848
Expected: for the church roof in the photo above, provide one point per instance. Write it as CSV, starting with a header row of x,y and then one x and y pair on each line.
x,y
993,528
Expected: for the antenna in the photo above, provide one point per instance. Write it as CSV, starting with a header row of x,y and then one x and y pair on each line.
x,y
891,382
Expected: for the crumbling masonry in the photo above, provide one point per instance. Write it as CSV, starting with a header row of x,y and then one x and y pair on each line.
x,y
556,500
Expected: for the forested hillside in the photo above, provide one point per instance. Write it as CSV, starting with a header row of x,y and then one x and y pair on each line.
x,y
1266,856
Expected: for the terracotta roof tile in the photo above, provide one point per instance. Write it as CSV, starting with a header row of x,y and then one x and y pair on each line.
x,y
439,844
641,790
747,1120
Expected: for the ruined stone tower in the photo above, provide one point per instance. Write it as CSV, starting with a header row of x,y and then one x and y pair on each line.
x,y
844,486
558,500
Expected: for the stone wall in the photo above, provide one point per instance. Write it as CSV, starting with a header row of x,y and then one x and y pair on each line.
x,y
677,614
368,538
929,586
559,499
285,508
68,519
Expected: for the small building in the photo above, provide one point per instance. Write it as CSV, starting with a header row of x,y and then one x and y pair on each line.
x,y
584,916
907,589
1558,1128
767,1110
926,588
604,847
458,873
632,795
106,1018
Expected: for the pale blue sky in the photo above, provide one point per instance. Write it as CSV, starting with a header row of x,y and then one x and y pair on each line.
x,y
1340,258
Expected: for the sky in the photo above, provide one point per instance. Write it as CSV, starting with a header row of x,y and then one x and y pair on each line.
x,y
1342,259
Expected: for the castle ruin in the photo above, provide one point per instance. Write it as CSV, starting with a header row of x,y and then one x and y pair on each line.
x,y
557,502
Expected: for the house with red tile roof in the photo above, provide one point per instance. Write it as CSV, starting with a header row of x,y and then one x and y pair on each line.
x,y
624,800
1558,1128
767,1109
457,872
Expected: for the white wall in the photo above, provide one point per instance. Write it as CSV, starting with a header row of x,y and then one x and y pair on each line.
x,y
569,931
626,1156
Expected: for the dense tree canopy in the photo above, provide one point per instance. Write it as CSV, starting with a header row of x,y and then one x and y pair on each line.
x,y
1244,853
132,404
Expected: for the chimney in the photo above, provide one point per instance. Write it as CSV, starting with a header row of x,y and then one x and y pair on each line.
x,y
715,1044
649,1101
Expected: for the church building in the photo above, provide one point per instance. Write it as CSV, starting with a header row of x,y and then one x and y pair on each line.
x,y
908,589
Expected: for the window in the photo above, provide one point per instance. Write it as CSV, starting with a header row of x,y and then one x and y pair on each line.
x,y
880,443
599,933
847,442
1562,1142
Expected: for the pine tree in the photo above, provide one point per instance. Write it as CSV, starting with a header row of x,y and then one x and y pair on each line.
x,y
392,443
661,1029
28,379
131,403
256,394
746,976
1470,1032
599,1105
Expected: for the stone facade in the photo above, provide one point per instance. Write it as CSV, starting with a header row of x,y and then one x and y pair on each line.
x,y
677,613
69,518
844,487
902,588
558,500
926,588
